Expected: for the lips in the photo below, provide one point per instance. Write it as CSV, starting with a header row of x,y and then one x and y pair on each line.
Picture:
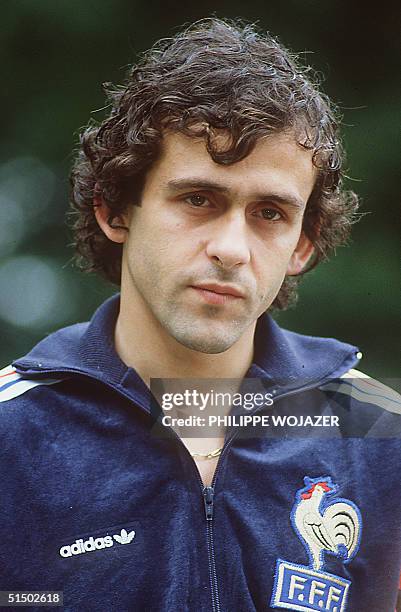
x,y
220,289
218,294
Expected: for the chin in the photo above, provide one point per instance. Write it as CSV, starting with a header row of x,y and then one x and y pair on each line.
x,y
204,335
205,343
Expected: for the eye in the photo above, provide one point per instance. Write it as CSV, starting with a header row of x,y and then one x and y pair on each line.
x,y
196,200
270,214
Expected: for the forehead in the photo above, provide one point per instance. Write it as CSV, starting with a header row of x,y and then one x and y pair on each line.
x,y
276,162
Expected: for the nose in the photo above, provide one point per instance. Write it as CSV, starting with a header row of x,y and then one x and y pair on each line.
x,y
228,245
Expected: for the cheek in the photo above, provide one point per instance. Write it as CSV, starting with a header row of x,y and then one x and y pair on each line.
x,y
276,252
271,260
153,254
270,268
157,225
287,242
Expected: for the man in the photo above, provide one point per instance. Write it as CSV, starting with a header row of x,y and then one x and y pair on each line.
x,y
214,183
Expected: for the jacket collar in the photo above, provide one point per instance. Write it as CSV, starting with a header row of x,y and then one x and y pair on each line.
x,y
295,360
286,358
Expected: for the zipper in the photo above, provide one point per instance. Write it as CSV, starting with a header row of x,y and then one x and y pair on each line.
x,y
207,492
208,495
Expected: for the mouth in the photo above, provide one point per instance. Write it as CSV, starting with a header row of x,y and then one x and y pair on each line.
x,y
215,293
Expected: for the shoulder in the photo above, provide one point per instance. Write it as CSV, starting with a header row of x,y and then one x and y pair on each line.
x,y
366,389
29,406
13,384
366,407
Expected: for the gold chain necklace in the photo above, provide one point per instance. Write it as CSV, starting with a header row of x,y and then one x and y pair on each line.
x,y
211,455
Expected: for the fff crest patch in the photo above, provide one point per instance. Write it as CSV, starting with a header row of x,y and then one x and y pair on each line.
x,y
325,526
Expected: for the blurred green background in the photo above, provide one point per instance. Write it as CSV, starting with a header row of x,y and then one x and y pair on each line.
x,y
56,54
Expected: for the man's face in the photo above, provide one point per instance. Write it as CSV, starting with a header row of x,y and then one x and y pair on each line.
x,y
210,245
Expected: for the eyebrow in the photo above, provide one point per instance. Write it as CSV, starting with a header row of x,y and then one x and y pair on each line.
x,y
176,185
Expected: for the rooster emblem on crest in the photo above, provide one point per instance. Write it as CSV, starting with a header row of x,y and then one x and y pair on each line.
x,y
325,525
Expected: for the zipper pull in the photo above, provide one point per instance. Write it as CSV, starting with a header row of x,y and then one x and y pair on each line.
x,y
208,493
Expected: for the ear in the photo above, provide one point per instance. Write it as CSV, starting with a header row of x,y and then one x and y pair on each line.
x,y
301,255
115,228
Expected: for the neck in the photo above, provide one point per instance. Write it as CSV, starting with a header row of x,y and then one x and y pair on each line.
x,y
143,344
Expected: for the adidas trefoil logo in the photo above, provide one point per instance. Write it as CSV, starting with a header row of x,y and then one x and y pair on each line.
x,y
81,546
124,537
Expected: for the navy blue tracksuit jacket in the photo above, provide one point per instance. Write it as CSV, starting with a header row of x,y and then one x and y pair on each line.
x,y
296,518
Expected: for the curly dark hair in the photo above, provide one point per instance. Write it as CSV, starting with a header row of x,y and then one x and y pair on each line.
x,y
223,75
